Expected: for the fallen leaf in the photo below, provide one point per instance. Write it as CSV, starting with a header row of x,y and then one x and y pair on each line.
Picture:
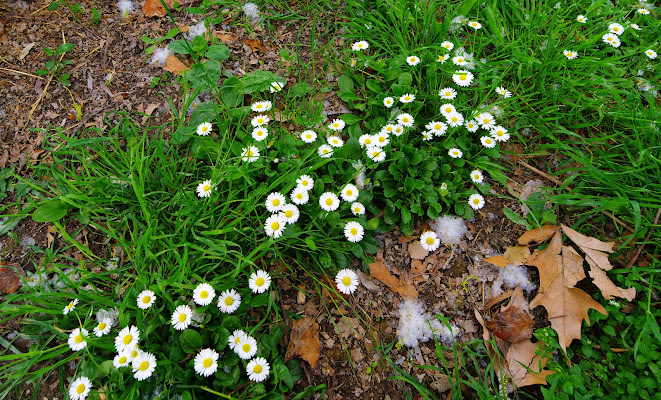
x,y
154,8
405,239
538,235
573,266
584,242
183,27
226,37
608,288
255,45
498,261
172,64
416,251
366,281
418,267
26,50
517,254
9,279
379,271
524,364
514,322
304,341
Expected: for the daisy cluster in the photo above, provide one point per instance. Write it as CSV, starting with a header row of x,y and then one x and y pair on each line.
x,y
129,354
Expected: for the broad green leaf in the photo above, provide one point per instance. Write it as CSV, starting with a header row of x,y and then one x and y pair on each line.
x,y
190,340
51,210
218,52
345,84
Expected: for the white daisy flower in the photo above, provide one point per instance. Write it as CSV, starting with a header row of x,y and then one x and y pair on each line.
x,y
471,125
305,182
299,196
206,362
616,28
486,120
143,365
70,306
336,125
407,98
275,225
103,327
611,39
398,130
347,281
290,213
366,140
229,301
412,60
236,338
274,202
349,192
427,136
258,369
204,128
260,120
460,61
388,102
335,141
259,281
309,136
204,189
442,58
260,133
362,45
80,388
447,93
329,201
476,201
357,209
388,128
250,154
636,27
325,151
582,19
503,92
145,299
447,45
276,87
500,134
476,176
127,339
261,106
447,109
650,53
437,128
247,348
405,119
376,153
488,142
122,359
444,186
354,231
643,11
462,78
382,139
571,55
455,153
77,339
203,294
430,241
475,25
455,119
181,317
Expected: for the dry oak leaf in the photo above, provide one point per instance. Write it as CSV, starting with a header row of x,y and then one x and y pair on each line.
x,y
379,271
416,251
565,305
538,235
172,64
498,261
608,288
529,373
514,323
154,8
9,280
304,341
255,45
517,254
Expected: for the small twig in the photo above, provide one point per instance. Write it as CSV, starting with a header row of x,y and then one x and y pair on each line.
x,y
559,183
647,237
613,349
21,73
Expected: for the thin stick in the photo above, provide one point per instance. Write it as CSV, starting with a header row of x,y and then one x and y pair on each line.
x,y
21,73
559,183
647,237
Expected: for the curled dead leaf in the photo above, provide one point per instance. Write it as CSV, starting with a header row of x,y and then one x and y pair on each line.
x,y
498,261
255,45
538,235
172,64
512,325
304,341
379,271
154,8
524,364
9,279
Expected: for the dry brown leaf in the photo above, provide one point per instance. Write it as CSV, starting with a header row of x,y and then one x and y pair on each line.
x,y
418,267
566,306
154,8
498,261
517,254
608,288
416,251
9,280
255,45
405,239
514,322
524,353
573,266
226,37
379,271
172,64
304,341
584,242
538,235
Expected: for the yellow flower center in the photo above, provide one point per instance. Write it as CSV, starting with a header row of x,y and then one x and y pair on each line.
x,y
70,306
463,77
78,339
405,119
299,196
80,389
325,151
260,281
122,359
488,140
460,60
144,365
335,125
289,213
349,192
346,281
486,121
454,119
204,294
257,369
354,231
260,120
182,317
276,202
237,340
146,299
329,201
430,240
448,109
207,362
134,353
357,209
448,94
102,326
368,141
407,98
229,301
204,129
206,188
305,183
569,54
246,347
128,339
275,226
249,153
476,201
476,176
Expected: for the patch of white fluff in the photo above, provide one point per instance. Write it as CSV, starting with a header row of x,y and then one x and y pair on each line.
x,y
197,30
125,7
159,56
113,314
252,11
416,326
449,229
512,276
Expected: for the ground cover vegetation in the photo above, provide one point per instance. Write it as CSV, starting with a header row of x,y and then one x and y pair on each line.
x,y
251,182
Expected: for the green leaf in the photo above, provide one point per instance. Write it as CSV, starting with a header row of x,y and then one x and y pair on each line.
x,y
310,242
405,79
180,46
260,300
54,5
190,340
345,84
333,219
350,119
51,210
300,89
406,215
218,52
408,184
465,7
374,86
372,224
515,217
370,245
